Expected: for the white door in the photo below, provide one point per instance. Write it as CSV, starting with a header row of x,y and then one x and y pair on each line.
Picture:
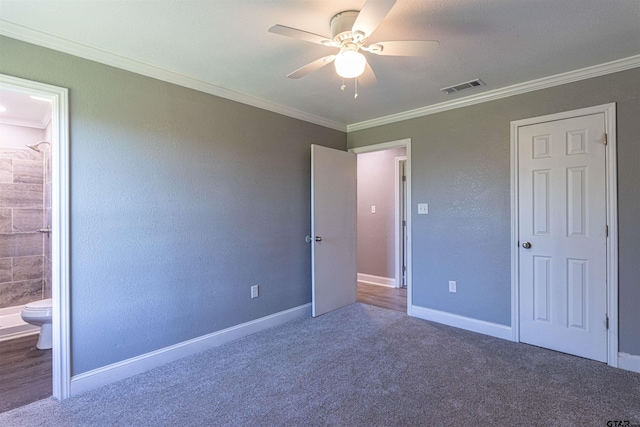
x,y
562,235
333,229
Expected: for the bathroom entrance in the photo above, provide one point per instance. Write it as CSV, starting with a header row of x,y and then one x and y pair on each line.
x,y
33,242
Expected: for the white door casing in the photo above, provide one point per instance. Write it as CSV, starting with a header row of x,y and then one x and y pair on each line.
x,y
333,220
563,187
60,286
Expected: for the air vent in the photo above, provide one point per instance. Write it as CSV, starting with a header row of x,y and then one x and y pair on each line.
x,y
462,86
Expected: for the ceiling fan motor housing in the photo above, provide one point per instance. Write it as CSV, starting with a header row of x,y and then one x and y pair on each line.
x,y
342,25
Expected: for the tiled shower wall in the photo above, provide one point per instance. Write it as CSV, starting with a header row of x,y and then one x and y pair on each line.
x,y
22,211
46,289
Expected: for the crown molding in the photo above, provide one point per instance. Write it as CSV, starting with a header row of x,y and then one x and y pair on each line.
x,y
543,83
30,35
24,123
40,38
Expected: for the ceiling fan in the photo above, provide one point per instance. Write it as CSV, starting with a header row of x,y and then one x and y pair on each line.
x,y
349,33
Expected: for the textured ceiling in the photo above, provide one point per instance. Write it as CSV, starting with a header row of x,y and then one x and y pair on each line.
x,y
226,43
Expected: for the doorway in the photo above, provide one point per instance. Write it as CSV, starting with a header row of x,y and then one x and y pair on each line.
x,y
564,255
384,225
59,222
401,214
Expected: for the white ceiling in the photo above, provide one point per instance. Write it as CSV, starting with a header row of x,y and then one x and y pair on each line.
x,y
225,43
20,109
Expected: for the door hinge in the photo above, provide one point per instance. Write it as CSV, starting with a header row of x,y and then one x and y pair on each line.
x,y
606,322
604,139
404,177
607,231
404,223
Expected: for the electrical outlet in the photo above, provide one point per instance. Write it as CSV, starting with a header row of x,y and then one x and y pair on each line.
x,y
423,208
452,286
373,209
254,291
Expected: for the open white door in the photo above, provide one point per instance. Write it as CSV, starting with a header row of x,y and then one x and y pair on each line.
x,y
333,229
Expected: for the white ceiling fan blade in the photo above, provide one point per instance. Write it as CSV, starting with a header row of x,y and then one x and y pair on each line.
x,y
405,48
299,34
368,77
371,15
312,66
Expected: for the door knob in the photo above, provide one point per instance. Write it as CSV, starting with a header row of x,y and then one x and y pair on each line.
x,y
318,239
526,245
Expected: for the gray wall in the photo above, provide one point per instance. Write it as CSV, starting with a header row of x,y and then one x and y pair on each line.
x,y
180,201
461,167
376,232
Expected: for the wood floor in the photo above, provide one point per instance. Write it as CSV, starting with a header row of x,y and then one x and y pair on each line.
x,y
383,296
25,372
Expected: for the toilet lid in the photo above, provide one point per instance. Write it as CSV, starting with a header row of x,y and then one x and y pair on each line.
x,y
45,303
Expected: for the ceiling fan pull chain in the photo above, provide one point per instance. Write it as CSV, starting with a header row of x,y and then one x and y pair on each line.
x,y
343,87
355,96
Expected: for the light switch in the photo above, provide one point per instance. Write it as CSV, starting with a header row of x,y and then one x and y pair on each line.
x,y
423,208
373,209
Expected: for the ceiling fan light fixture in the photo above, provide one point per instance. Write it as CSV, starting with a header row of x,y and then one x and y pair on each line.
x,y
350,63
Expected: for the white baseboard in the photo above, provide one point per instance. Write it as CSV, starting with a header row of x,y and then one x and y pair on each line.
x,y
377,280
629,362
474,325
136,365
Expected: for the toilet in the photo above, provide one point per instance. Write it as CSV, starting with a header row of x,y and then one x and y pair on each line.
x,y
39,313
